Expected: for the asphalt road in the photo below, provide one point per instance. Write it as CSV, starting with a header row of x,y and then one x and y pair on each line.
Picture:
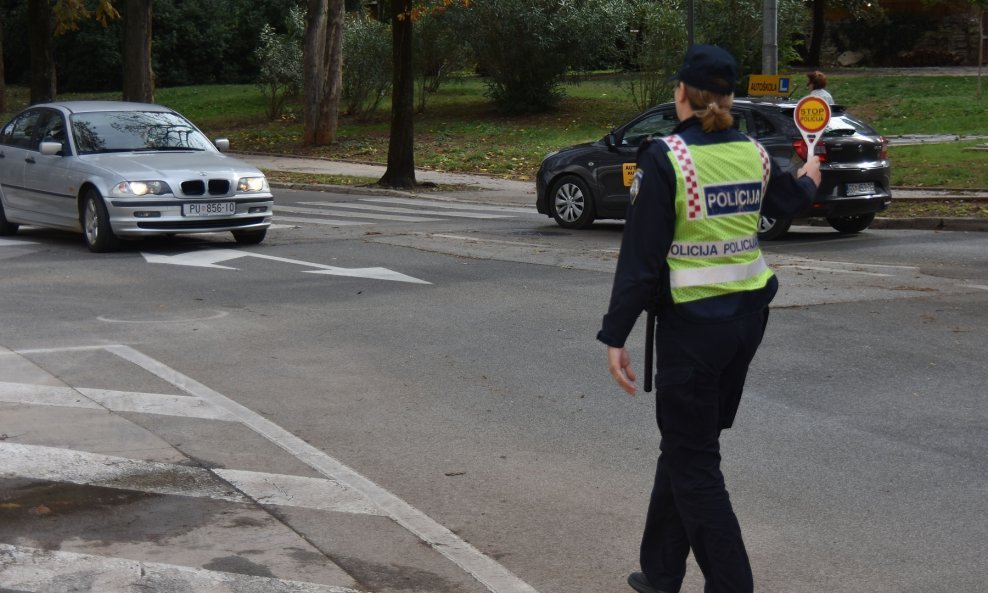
x,y
436,380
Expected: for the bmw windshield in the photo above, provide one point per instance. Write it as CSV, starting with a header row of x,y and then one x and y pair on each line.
x,y
129,131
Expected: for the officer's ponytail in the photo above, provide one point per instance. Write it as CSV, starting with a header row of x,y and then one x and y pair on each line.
x,y
713,110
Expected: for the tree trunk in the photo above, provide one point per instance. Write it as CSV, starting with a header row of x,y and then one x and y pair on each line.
x,y
138,78
329,106
314,72
41,44
816,38
3,76
981,46
401,146
322,62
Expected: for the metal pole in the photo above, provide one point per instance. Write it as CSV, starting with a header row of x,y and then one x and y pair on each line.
x,y
770,37
689,23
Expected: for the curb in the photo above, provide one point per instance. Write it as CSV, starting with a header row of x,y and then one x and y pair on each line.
x,y
932,224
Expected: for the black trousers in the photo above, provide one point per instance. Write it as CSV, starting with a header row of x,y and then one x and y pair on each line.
x,y
700,375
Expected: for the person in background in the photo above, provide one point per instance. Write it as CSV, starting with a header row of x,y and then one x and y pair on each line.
x,y
690,253
817,81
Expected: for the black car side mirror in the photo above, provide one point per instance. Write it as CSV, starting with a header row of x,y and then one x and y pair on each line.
x,y
610,140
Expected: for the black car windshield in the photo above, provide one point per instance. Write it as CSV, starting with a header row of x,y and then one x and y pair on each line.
x,y
125,131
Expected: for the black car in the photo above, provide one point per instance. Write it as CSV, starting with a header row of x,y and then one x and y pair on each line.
x,y
582,183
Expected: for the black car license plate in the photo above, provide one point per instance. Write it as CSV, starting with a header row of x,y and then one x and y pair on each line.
x,y
861,189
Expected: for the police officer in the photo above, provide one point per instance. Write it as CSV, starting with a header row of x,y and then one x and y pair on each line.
x,y
690,250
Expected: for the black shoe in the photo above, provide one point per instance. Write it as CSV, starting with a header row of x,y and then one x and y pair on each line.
x,y
639,582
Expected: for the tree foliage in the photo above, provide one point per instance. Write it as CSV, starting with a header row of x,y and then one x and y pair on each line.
x,y
367,67
737,26
440,51
527,47
68,14
280,58
654,44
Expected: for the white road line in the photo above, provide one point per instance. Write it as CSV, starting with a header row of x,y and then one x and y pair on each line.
x,y
978,286
320,220
399,210
483,568
298,491
117,401
451,205
46,395
93,469
341,214
156,403
33,569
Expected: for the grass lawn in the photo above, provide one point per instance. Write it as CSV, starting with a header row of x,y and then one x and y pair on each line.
x,y
461,131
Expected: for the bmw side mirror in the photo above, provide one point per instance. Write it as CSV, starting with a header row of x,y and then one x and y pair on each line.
x,y
610,140
222,144
51,148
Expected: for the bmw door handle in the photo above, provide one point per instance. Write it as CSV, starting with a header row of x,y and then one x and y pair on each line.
x,y
30,159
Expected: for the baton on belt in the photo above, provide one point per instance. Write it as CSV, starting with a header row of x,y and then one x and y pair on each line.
x,y
649,344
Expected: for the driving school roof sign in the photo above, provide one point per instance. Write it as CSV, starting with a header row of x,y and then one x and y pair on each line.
x,y
769,84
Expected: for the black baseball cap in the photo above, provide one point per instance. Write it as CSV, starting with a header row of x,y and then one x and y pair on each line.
x,y
709,68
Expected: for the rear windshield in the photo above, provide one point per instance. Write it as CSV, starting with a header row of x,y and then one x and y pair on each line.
x,y
126,131
845,124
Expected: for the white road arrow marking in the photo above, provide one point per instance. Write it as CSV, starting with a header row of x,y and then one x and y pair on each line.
x,y
209,258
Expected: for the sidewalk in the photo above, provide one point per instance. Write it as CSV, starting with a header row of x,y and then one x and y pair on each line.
x,y
522,193
134,476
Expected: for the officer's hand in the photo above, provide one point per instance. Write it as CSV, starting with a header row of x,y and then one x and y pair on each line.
x,y
619,363
811,169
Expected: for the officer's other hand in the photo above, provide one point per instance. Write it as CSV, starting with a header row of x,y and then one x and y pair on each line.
x,y
619,364
811,169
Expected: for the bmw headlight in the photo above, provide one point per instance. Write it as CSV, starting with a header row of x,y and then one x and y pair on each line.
x,y
141,188
252,184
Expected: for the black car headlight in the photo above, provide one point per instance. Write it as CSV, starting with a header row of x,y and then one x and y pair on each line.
x,y
252,184
141,188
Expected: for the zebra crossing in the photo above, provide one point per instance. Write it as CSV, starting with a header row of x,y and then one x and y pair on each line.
x,y
378,210
93,500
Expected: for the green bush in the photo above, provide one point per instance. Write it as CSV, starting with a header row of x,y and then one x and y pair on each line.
x,y
527,47
366,64
440,51
280,59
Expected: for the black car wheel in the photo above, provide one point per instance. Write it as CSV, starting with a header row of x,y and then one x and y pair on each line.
x,y
572,204
249,237
6,227
852,224
772,228
96,224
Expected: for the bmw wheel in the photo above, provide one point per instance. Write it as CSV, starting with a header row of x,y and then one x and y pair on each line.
x,y
6,227
571,203
772,228
852,224
96,223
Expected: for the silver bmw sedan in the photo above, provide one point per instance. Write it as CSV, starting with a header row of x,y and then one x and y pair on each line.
x,y
115,170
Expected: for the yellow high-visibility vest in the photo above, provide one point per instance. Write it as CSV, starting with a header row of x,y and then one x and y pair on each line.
x,y
718,206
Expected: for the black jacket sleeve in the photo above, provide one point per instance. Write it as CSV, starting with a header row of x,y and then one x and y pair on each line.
x,y
648,232
787,196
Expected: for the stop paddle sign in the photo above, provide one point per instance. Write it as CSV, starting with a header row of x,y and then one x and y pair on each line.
x,y
812,116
